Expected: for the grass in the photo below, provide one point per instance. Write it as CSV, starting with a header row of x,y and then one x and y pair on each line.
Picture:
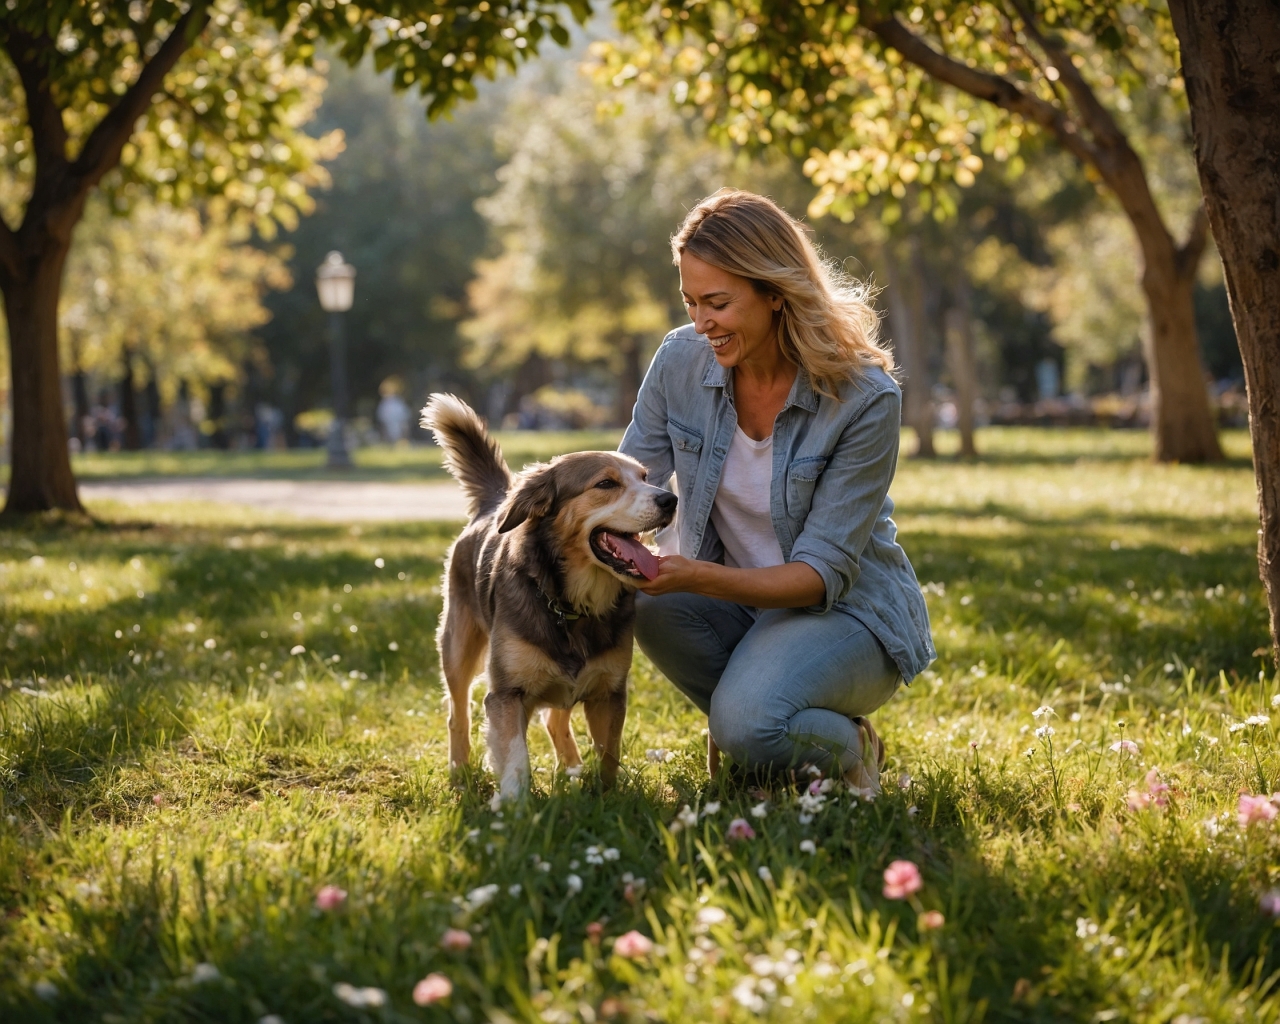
x,y
177,786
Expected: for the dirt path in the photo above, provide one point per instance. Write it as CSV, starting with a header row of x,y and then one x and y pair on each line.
x,y
330,500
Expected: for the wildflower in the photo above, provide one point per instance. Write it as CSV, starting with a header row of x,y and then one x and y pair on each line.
x,y
610,853
930,920
712,807
633,945
739,828
687,818
1270,902
808,846
632,888
901,879
904,780
1254,808
432,989
1157,789
330,897
359,997
1211,827
515,890
481,895
379,563
158,800
210,644
1045,731
1275,700
595,930
455,940
760,809
811,804
297,649
659,755
574,884
764,873
46,990
393,646
708,916
205,972
1258,720
1138,800
912,811
1043,711
1124,747
593,855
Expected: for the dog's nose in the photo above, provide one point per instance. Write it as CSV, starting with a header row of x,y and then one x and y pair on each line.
x,y
666,501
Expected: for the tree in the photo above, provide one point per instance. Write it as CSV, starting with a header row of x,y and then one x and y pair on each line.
x,y
882,102
215,86
1231,60
165,291
590,196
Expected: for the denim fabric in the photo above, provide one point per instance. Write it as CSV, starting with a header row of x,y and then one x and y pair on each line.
x,y
779,689
833,462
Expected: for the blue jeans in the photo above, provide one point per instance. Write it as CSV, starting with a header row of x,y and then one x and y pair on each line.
x,y
780,688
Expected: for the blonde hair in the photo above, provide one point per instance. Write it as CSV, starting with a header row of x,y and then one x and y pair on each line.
x,y
827,323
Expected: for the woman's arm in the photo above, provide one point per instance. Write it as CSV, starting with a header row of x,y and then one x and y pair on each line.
x,y
794,585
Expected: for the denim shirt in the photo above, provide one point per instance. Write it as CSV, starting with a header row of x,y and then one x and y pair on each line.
x,y
829,500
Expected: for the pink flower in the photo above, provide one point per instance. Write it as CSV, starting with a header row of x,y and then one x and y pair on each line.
x,y
633,945
455,940
740,828
1255,808
930,920
1157,789
432,989
158,800
1138,801
1124,746
595,931
901,879
330,898
1270,902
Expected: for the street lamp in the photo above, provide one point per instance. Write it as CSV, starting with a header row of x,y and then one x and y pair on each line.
x,y
336,285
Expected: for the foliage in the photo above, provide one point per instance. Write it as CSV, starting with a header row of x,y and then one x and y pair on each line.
x,y
180,293
593,187
175,796
828,83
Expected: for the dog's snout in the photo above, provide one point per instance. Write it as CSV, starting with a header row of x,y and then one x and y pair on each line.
x,y
666,501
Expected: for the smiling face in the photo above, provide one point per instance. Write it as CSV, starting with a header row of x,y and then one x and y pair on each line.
x,y
737,320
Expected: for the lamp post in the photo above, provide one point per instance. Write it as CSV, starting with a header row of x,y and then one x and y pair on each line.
x,y
336,286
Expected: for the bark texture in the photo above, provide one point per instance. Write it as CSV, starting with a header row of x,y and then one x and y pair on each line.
x,y
1231,63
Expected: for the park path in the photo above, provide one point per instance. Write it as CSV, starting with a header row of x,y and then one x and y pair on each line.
x,y
329,500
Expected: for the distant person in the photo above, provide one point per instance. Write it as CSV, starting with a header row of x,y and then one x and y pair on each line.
x,y
393,415
790,612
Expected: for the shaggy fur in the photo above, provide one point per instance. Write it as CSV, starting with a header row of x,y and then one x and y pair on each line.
x,y
529,584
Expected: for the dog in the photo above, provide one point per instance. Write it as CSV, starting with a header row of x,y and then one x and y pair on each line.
x,y
542,580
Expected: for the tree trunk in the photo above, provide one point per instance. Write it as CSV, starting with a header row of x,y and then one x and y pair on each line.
x,y
628,380
80,400
40,464
129,405
960,357
1231,63
906,311
1182,424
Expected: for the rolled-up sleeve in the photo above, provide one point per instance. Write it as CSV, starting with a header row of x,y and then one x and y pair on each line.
x,y
848,497
646,439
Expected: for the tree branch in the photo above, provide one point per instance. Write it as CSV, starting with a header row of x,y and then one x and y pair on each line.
x,y
102,149
985,86
48,132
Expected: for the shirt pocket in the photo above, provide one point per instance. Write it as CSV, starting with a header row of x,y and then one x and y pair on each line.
x,y
686,448
802,478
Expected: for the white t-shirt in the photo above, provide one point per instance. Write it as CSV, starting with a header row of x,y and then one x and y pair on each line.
x,y
741,509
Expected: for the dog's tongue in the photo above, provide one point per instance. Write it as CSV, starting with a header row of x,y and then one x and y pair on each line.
x,y
644,559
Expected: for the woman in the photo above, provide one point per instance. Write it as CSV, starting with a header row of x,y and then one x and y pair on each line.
x,y
790,612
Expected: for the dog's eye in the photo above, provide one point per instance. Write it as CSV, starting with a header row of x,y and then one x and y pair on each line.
x,y
606,484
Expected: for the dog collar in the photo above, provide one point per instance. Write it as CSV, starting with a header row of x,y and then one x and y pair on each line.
x,y
562,617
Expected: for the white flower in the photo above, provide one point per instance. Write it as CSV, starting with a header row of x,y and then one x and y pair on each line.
x,y
904,780
1045,731
1237,726
760,809
210,644
1258,720
481,895
805,819
1042,711
744,994
393,646
765,874
711,807
687,817
659,755
515,890
593,855
611,853
574,884
808,846
811,804
1275,701
1211,827
912,811
299,649
205,972
359,997
711,915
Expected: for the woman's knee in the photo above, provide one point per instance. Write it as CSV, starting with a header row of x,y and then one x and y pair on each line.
x,y
748,733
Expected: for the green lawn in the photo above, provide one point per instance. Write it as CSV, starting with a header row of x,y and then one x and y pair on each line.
x,y
177,786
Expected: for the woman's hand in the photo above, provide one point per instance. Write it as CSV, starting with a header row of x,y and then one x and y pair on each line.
x,y
794,585
676,574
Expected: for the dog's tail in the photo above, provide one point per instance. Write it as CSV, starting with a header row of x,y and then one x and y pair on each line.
x,y
470,454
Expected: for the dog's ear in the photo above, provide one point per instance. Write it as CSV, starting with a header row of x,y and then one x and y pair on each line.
x,y
532,497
